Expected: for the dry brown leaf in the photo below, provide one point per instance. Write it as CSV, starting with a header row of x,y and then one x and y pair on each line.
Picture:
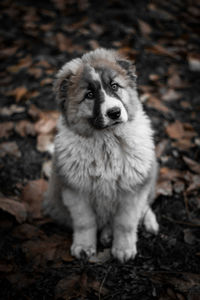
x,y
13,109
46,81
145,28
194,61
45,249
15,208
6,129
25,128
179,186
175,130
194,183
34,112
32,195
36,72
9,148
27,231
175,82
154,77
171,95
45,142
47,122
171,174
192,164
160,147
23,63
64,43
164,187
96,28
19,93
157,104
8,51
160,50
183,144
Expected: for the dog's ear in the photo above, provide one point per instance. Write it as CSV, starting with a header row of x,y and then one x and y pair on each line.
x,y
60,87
129,67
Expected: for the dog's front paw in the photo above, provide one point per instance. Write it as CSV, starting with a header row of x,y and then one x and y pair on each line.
x,y
123,255
82,251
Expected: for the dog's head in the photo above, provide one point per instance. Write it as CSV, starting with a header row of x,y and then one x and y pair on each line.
x,y
97,91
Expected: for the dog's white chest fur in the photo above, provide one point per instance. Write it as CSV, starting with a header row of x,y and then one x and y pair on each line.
x,y
104,165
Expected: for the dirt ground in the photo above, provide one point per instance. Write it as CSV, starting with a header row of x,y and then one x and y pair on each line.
x,y
36,38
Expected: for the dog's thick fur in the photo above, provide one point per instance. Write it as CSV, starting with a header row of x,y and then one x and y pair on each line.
x,y
104,166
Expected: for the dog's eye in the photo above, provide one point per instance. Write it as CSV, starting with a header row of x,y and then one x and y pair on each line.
x,y
114,86
90,95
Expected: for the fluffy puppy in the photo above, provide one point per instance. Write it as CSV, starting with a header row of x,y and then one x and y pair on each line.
x,y
104,166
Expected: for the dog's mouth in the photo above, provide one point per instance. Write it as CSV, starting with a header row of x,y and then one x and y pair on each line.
x,y
99,124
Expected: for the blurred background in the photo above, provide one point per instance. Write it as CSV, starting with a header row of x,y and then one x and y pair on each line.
x,y
36,39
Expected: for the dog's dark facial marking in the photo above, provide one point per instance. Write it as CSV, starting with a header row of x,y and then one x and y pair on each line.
x,y
108,80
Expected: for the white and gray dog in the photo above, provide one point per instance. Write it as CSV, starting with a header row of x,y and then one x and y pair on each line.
x,y
104,166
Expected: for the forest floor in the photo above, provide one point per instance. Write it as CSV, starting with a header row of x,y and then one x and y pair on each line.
x,y
37,37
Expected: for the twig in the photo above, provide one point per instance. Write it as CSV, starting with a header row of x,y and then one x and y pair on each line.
x,y
180,222
102,283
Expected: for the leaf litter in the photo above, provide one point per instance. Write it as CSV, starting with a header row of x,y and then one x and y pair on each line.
x,y
35,255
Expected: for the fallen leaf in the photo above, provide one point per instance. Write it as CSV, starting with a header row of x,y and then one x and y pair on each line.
x,y
179,186
36,72
189,237
194,62
94,44
15,208
181,281
192,164
96,28
6,268
175,82
45,142
8,51
32,195
34,112
194,183
6,129
9,148
23,63
171,95
145,28
164,187
183,144
46,81
175,130
64,43
157,104
161,50
47,122
19,93
160,147
101,257
24,128
171,174
27,231
45,249
154,77
13,109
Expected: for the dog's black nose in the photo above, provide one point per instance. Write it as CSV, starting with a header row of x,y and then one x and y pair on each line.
x,y
114,113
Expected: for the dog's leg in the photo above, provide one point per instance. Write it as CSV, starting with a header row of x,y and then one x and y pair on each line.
x,y
126,223
84,224
150,221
